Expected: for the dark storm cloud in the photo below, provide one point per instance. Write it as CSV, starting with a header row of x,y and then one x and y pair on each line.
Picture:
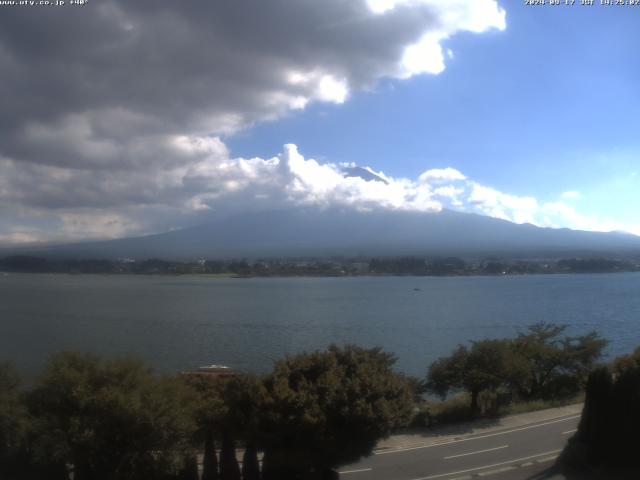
x,y
174,66
115,105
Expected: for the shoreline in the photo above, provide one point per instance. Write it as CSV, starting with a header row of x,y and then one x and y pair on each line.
x,y
226,276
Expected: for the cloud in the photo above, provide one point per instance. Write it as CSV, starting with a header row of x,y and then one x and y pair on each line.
x,y
290,179
527,209
494,203
18,238
81,86
112,114
570,195
209,183
441,175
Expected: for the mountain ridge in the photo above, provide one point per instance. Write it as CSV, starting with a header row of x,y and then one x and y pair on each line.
x,y
317,232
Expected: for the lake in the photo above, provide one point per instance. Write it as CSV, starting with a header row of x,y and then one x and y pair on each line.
x,y
174,323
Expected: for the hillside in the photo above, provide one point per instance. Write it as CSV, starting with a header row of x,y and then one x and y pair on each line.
x,y
317,232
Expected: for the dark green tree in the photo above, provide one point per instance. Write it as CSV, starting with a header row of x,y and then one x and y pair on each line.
x,y
556,365
190,469
328,408
244,396
250,464
625,419
539,363
229,468
228,409
14,423
608,430
210,412
627,362
487,365
210,458
110,419
595,423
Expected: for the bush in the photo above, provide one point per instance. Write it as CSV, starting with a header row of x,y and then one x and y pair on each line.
x,y
452,410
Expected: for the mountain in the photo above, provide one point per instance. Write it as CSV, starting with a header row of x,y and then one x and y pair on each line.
x,y
363,173
326,232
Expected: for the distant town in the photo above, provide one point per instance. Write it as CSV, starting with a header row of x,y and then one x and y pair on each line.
x,y
335,267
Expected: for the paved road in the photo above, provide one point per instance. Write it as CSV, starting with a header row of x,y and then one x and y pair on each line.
x,y
504,453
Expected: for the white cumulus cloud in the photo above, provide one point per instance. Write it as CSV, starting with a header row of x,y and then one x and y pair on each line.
x,y
209,183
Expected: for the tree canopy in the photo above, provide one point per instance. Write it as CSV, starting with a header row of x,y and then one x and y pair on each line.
x,y
116,419
538,363
14,422
110,419
555,364
608,430
488,364
331,407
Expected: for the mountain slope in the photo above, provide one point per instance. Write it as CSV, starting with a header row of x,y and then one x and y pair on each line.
x,y
317,232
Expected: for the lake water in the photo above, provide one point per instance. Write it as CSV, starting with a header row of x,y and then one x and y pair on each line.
x,y
175,323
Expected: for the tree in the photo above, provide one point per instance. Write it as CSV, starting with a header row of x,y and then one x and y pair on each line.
x,y
229,468
555,365
229,409
329,408
608,430
627,362
539,363
244,396
487,365
14,423
25,263
625,418
111,419
595,422
250,464
210,459
209,411
190,469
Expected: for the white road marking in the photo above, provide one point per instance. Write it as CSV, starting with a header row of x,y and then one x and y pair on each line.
x,y
385,452
547,459
569,431
440,475
475,453
344,472
496,471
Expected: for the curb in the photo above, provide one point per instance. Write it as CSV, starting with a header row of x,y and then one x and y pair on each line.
x,y
506,423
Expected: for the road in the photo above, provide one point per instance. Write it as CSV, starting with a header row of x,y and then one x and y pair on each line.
x,y
517,450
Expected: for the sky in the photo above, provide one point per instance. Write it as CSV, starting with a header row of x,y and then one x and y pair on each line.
x,y
127,118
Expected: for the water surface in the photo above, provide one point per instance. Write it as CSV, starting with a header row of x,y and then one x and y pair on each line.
x,y
180,322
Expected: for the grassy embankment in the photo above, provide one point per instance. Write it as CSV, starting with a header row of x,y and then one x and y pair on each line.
x,y
456,409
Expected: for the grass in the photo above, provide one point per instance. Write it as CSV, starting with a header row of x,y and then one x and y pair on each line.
x,y
456,409
533,405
